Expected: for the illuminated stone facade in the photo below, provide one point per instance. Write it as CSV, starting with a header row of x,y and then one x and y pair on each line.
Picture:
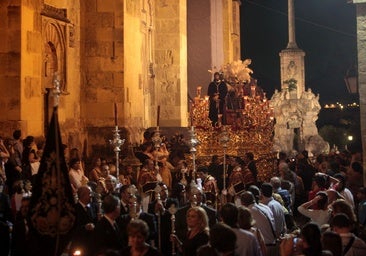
x,y
138,54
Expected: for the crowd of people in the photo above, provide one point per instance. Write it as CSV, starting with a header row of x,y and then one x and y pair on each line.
x,y
309,207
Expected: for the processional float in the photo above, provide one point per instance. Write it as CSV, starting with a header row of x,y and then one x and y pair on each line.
x,y
248,126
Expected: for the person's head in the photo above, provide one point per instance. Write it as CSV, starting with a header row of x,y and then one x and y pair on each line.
x,y
217,76
24,206
75,163
195,194
27,185
18,186
135,200
322,203
164,192
17,134
356,167
197,218
84,194
124,194
340,223
29,141
147,147
111,206
245,218
74,153
342,182
229,214
320,181
110,183
202,172
341,206
149,164
247,198
282,156
97,161
283,168
138,232
266,190
311,237
331,241
105,170
361,194
222,238
276,183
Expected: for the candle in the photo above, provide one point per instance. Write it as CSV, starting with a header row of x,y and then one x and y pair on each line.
x,y
158,117
115,115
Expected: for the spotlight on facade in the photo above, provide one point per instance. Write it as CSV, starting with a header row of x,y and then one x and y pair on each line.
x,y
349,137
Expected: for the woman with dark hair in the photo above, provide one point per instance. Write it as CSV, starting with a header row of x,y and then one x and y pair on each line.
x,y
29,158
308,243
331,241
138,232
320,216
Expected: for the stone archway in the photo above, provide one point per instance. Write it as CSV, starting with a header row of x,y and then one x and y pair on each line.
x,y
53,62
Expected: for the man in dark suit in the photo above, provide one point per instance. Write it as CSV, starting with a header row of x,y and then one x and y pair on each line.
x,y
137,213
106,234
124,196
86,218
160,208
196,198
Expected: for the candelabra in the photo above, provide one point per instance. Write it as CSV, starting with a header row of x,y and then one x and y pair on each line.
x,y
224,139
117,142
172,210
156,139
193,142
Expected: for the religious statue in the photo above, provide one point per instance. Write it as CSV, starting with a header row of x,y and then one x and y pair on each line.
x,y
217,91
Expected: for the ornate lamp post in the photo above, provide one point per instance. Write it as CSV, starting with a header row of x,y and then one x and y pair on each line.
x,y
193,142
224,139
117,142
156,139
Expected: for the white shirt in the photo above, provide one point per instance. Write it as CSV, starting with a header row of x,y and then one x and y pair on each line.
x,y
320,217
347,194
278,214
246,243
258,212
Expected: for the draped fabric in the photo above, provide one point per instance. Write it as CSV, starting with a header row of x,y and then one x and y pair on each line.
x,y
52,205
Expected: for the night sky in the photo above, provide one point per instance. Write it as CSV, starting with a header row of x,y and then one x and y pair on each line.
x,y
325,30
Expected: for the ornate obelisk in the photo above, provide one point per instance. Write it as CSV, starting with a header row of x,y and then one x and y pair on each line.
x,y
292,60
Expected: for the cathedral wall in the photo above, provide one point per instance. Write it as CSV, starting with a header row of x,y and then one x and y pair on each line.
x,y
200,46
31,65
170,53
137,84
101,63
9,68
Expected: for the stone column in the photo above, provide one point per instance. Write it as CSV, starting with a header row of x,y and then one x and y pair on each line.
x,y
361,47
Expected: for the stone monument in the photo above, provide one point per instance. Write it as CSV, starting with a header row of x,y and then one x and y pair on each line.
x,y
295,109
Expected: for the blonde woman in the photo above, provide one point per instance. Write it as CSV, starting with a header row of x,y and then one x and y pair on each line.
x,y
198,232
246,222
